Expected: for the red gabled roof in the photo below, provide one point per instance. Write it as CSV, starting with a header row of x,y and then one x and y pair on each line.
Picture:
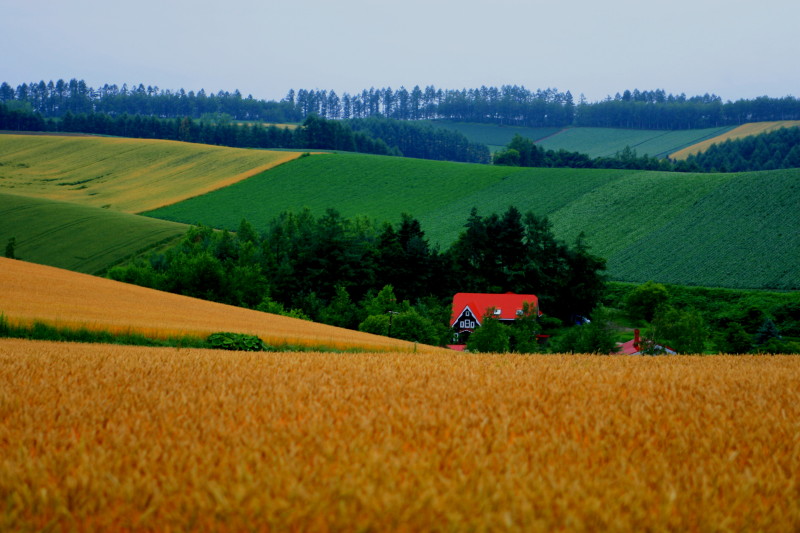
x,y
508,304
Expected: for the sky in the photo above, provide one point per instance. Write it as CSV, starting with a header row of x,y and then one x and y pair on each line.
x,y
732,48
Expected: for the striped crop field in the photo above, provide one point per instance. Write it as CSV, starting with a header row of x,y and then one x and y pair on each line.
x,y
76,237
36,293
606,142
745,130
120,438
128,175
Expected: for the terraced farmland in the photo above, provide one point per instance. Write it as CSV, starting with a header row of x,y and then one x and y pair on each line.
x,y
622,212
76,237
128,175
101,438
745,130
67,299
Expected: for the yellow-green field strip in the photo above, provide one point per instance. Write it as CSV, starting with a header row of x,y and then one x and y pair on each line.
x,y
745,130
128,175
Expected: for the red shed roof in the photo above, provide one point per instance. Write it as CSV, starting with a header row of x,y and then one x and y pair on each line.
x,y
508,304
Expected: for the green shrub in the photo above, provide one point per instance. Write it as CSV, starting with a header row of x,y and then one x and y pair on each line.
x,y
237,341
411,326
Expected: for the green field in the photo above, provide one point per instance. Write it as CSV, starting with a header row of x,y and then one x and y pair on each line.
x,y
725,230
79,238
596,142
601,142
495,136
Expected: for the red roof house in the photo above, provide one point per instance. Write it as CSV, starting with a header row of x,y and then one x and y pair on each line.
x,y
469,308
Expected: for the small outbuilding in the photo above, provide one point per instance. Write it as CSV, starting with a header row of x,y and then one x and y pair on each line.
x,y
634,346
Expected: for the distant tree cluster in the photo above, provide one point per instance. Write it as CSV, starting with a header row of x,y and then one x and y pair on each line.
x,y
384,279
656,110
505,105
55,99
774,150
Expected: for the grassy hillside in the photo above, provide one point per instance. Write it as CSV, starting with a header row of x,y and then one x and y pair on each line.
x,y
75,237
688,228
746,230
68,299
593,141
495,136
745,130
128,175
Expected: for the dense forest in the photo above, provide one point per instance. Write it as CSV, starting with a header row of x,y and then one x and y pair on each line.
x,y
347,263
508,104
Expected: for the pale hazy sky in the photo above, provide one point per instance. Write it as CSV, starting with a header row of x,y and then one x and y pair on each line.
x,y
734,48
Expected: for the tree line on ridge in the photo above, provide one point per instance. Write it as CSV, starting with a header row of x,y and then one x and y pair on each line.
x,y
508,104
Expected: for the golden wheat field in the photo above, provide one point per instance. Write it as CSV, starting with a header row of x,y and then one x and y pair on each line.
x,y
129,175
32,292
745,130
109,438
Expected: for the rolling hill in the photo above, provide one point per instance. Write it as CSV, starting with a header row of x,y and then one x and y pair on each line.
x,y
63,298
77,237
128,175
725,230
691,229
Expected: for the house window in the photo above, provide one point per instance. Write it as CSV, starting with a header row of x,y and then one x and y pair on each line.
x,y
497,312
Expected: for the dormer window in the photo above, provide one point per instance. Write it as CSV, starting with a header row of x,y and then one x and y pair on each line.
x,y
497,312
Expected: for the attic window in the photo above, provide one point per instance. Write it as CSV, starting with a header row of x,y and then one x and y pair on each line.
x,y
519,312
497,312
